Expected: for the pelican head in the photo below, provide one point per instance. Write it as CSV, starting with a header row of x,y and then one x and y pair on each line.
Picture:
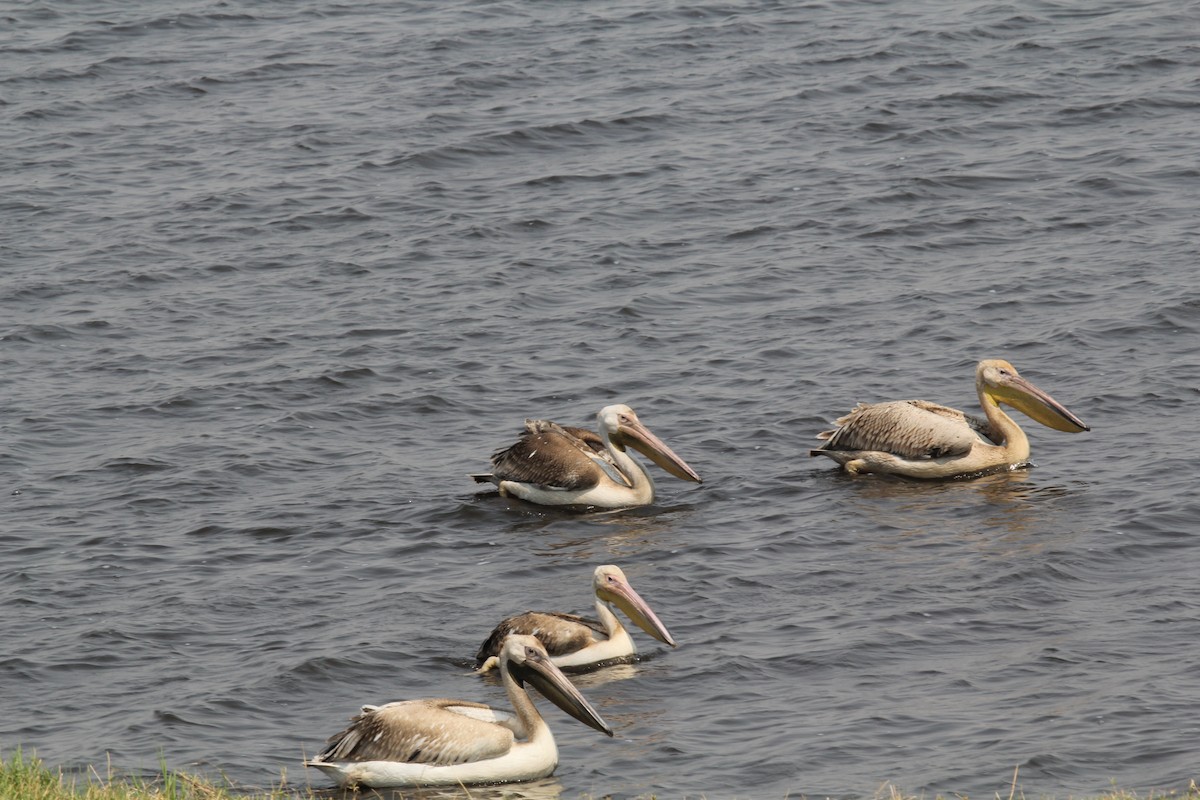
x,y
1000,381
611,586
625,429
526,660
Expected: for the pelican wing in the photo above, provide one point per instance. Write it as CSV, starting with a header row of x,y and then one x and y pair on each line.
x,y
559,633
905,428
489,714
588,441
551,458
982,428
421,732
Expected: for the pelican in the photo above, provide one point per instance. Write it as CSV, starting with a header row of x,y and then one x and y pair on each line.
x,y
554,465
574,641
925,440
452,742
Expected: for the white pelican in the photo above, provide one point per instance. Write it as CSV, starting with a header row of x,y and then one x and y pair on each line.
x,y
452,742
553,465
925,440
574,641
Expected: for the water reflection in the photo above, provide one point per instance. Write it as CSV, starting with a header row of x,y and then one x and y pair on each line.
x,y
1006,509
583,535
618,536
542,789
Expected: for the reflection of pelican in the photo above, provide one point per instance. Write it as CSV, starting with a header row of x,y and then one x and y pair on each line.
x,y
451,742
925,440
572,641
555,465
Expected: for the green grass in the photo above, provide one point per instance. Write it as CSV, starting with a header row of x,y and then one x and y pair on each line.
x,y
28,778
1191,792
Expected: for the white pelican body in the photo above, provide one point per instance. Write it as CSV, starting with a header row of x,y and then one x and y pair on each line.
x,y
925,440
574,641
452,742
554,465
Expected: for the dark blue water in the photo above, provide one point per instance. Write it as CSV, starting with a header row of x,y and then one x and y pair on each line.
x,y
274,277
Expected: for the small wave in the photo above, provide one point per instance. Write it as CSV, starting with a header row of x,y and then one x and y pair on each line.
x,y
173,719
316,220
1133,106
587,132
135,466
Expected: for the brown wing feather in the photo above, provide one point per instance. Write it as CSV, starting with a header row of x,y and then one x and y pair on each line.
x,y
588,441
559,633
418,732
551,458
906,428
982,428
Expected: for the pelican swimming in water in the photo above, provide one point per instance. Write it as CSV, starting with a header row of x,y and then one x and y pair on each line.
x,y
925,440
574,641
453,742
554,465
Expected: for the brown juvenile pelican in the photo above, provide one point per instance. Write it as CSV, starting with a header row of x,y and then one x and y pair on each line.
x,y
574,641
452,742
555,465
925,440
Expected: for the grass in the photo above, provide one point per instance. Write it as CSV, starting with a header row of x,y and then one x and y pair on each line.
x,y
28,778
1192,792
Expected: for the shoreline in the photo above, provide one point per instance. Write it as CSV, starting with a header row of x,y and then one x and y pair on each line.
x,y
27,777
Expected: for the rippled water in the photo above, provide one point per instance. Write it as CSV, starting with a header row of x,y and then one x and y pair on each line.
x,y
277,276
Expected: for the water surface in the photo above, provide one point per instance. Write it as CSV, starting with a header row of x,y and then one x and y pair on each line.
x,y
277,276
